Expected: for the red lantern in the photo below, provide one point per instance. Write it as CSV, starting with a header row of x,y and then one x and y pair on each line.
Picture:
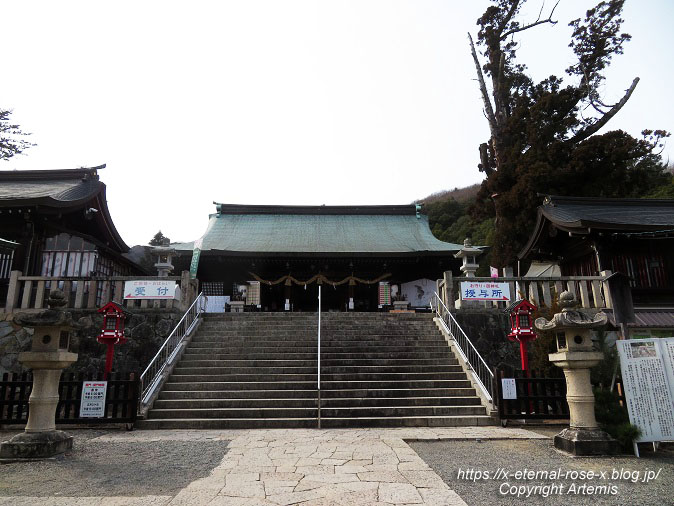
x,y
112,332
522,327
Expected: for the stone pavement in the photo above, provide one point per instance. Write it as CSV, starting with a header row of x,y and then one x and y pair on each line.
x,y
361,467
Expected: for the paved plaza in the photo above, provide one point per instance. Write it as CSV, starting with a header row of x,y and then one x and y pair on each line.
x,y
288,466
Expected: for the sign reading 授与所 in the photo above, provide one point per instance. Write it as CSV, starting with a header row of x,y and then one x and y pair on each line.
x,y
647,367
149,289
92,403
485,291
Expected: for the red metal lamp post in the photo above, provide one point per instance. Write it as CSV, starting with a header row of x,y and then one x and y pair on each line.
x,y
522,327
112,332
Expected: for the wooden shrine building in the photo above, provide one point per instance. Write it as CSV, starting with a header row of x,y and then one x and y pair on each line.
x,y
360,255
588,236
57,223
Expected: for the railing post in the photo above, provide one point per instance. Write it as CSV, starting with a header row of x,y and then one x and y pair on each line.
x,y
185,290
79,294
93,291
607,292
448,292
27,289
13,291
39,294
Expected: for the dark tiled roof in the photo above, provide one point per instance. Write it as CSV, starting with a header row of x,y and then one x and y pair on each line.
x,y
649,318
627,214
55,188
580,215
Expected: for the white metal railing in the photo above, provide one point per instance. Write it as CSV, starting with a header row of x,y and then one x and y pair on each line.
x,y
152,375
483,374
318,384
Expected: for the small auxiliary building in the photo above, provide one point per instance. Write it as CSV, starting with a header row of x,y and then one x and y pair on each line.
x,y
362,256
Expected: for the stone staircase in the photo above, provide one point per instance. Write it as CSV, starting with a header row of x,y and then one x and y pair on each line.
x,y
255,370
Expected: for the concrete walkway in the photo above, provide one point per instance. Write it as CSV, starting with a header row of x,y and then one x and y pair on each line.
x,y
359,467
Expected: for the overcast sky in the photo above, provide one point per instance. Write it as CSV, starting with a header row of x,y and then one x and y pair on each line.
x,y
280,101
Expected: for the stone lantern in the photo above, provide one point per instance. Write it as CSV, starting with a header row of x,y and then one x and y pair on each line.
x,y
47,357
576,355
469,256
164,263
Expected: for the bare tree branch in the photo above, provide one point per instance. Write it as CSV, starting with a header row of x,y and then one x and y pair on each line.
x,y
531,25
508,16
489,110
594,127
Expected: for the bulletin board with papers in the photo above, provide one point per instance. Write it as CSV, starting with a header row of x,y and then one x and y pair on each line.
x,y
647,367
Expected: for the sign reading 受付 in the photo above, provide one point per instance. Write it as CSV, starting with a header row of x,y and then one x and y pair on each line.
x,y
92,404
485,291
149,289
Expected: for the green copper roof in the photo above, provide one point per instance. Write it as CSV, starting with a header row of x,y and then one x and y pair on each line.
x,y
320,229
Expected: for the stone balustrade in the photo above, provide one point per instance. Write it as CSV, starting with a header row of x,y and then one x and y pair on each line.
x,y
591,291
31,292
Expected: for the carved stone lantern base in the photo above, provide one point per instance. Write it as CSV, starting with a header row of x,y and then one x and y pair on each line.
x,y
586,442
35,445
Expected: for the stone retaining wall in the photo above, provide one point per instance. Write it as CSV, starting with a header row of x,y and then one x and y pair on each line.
x,y
146,331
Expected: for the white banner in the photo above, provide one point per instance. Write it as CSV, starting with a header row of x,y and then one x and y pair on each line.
x,y
149,289
92,404
419,292
647,367
485,291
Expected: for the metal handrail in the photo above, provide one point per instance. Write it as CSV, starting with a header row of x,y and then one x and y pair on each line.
x,y
153,372
483,373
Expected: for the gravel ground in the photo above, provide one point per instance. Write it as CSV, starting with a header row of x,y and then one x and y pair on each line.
x,y
447,458
95,468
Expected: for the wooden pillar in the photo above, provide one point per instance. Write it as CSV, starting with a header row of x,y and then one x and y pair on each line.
x,y
13,291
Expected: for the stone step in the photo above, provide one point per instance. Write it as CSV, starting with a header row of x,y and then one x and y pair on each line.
x,y
326,369
333,395
228,423
362,346
237,394
400,411
326,423
237,385
326,377
189,361
367,393
308,385
291,402
398,401
311,402
269,412
407,421
259,370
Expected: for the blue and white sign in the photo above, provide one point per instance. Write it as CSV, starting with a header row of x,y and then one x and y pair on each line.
x,y
149,289
485,291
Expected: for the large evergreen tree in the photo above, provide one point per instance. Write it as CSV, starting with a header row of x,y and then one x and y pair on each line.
x,y
544,135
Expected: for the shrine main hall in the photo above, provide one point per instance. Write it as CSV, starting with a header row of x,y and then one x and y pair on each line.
x,y
275,257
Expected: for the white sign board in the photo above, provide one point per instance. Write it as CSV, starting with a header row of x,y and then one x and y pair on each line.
x,y
419,292
92,404
216,303
149,289
485,291
647,367
509,388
